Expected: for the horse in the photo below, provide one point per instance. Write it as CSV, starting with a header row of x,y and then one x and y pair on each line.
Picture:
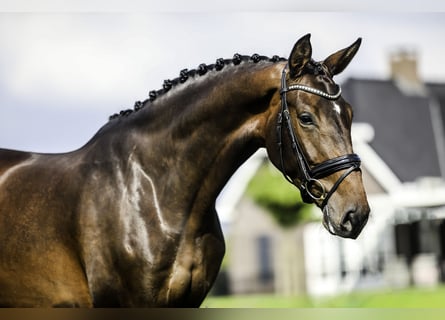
x,y
129,219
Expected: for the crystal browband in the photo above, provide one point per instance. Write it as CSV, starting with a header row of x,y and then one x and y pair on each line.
x,y
315,91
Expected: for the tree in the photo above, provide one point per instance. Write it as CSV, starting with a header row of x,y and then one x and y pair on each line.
x,y
270,190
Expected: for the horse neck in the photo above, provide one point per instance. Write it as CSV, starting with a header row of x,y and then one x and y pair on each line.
x,y
193,138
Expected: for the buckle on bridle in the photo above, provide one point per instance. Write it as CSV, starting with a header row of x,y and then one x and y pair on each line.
x,y
315,189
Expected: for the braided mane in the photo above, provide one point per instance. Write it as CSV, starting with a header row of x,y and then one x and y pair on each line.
x,y
185,74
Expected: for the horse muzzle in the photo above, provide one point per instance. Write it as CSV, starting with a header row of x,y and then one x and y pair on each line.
x,y
350,225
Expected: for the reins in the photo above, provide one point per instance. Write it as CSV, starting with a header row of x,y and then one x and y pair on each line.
x,y
312,189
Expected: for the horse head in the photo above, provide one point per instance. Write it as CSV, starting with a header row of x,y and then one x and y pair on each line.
x,y
312,129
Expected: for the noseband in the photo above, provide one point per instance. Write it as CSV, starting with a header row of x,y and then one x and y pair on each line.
x,y
312,189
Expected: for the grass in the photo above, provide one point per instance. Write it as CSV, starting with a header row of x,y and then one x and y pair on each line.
x,y
406,298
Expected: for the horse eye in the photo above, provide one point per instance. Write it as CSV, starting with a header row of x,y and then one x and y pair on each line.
x,y
306,119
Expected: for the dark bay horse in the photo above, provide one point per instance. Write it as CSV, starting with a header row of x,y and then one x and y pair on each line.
x,y
129,219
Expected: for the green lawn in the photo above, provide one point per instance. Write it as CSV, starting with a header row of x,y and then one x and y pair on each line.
x,y
406,298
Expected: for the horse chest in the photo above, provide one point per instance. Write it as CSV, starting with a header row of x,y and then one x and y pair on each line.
x,y
194,270
148,262
180,273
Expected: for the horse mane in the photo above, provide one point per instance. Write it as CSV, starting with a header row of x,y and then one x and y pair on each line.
x,y
185,74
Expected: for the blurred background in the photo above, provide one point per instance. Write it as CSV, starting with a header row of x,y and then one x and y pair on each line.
x,y
63,72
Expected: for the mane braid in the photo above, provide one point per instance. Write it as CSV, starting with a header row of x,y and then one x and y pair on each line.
x,y
185,74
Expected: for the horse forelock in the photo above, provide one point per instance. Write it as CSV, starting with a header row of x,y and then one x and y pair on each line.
x,y
186,75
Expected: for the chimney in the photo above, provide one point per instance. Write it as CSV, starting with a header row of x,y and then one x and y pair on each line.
x,y
404,72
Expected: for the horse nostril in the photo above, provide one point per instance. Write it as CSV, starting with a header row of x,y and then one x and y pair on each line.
x,y
353,222
350,221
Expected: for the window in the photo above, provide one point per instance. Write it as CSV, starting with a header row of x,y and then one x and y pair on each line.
x,y
264,244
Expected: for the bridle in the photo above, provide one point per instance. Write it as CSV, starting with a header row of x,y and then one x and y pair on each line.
x,y
312,190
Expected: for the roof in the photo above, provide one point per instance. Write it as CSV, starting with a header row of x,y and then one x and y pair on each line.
x,y
404,136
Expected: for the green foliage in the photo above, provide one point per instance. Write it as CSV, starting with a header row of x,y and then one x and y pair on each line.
x,y
270,190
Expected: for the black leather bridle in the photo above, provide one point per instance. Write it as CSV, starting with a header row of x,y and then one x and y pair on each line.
x,y
312,190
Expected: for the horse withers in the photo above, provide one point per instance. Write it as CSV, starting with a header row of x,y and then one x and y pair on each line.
x,y
129,219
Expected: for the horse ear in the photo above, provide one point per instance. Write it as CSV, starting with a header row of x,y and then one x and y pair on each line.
x,y
338,61
301,54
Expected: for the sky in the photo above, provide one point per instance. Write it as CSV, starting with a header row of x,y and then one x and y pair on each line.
x,y
63,73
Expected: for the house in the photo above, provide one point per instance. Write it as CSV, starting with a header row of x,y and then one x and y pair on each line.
x,y
399,132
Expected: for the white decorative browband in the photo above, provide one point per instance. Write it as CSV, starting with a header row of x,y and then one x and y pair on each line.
x,y
315,91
